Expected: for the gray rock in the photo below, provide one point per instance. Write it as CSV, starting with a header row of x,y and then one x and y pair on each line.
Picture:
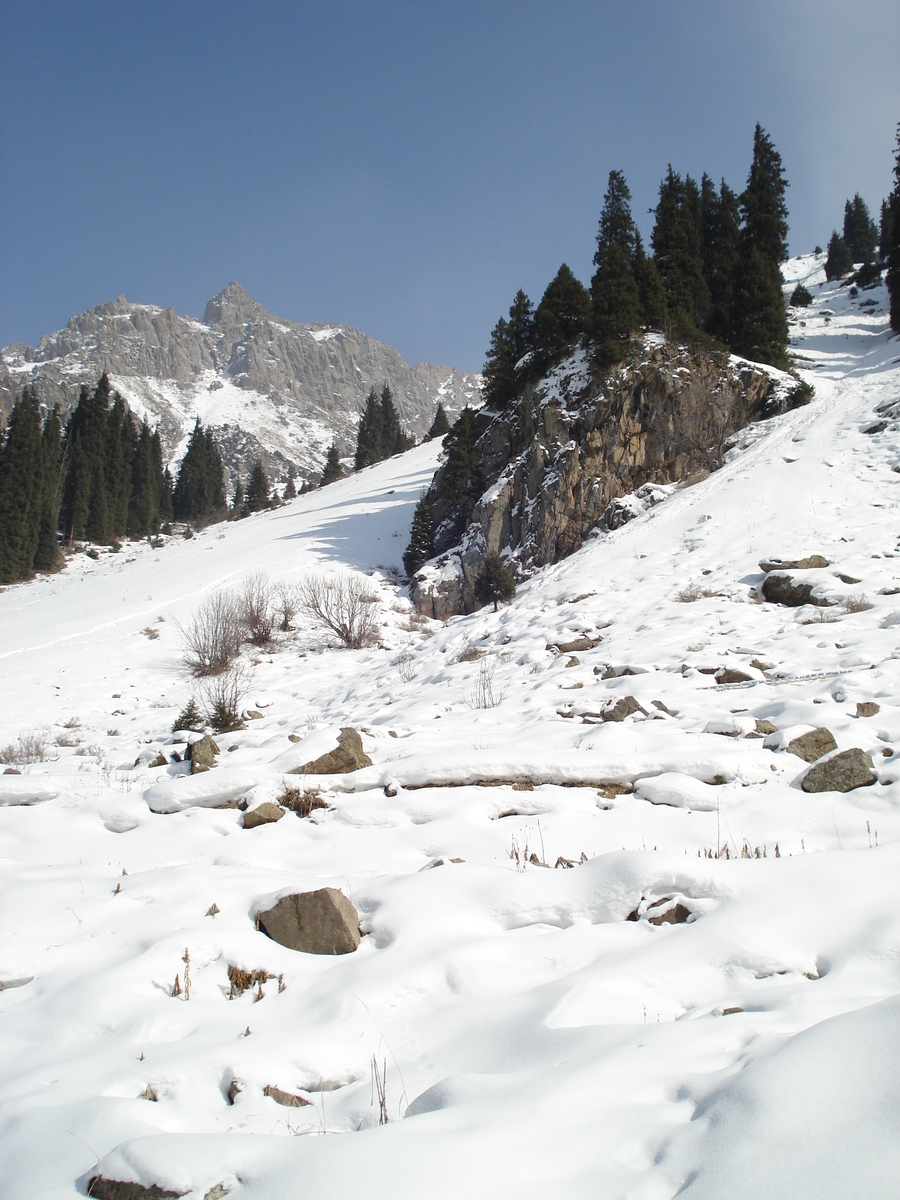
x,y
202,754
320,922
780,588
264,814
733,675
843,773
114,1189
348,756
813,745
812,562
623,708
867,708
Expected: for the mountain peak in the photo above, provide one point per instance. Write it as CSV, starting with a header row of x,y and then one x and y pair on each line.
x,y
233,306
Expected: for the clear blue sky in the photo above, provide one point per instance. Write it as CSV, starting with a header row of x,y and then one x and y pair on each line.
x,y
403,167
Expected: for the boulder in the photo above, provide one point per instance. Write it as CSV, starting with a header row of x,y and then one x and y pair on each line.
x,y
867,708
765,727
202,754
319,922
843,773
813,562
676,915
264,814
623,708
733,675
348,756
115,1189
812,745
781,588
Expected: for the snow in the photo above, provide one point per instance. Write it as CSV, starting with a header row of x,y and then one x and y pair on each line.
x,y
536,1041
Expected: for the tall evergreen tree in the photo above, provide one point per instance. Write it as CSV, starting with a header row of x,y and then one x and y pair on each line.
x,y
885,230
440,425
332,469
651,293
860,234
421,538
85,503
839,262
200,487
257,487
290,489
393,439
759,321
677,251
460,477
893,271
511,340
21,489
368,437
720,238
615,295
563,315
47,555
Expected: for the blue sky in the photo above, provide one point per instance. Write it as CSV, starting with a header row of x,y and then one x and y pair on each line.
x,y
403,167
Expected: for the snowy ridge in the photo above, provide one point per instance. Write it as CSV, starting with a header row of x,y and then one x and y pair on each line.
x,y
541,1035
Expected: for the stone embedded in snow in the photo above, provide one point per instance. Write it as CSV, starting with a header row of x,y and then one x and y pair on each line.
x,y
348,756
623,708
206,790
867,708
319,922
812,745
765,727
812,562
266,813
115,1189
676,915
286,1099
679,791
577,645
25,789
733,675
780,588
202,754
844,772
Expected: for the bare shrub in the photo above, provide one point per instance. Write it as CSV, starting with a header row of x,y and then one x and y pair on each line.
x,y
405,665
67,739
483,694
470,654
344,604
693,592
222,695
213,639
286,604
29,748
857,604
822,616
151,633
257,608
301,803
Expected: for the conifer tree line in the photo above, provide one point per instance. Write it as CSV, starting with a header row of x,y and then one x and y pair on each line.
x,y
99,479
379,435
712,272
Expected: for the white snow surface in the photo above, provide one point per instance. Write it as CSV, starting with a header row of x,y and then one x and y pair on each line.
x,y
535,1040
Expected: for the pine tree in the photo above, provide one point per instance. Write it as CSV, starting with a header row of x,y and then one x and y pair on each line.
x,y
86,493
421,538
885,230
21,489
839,262
563,315
760,328
511,341
440,425
615,295
677,252
459,479
651,293
200,487
368,437
720,238
290,490
332,469
257,487
393,439
238,500
893,271
494,581
860,234
47,556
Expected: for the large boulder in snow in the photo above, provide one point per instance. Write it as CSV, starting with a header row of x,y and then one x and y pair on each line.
x,y
843,773
320,922
812,745
626,707
266,813
781,588
202,755
346,757
811,562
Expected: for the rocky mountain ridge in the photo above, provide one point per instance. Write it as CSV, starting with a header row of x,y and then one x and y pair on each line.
x,y
582,450
266,385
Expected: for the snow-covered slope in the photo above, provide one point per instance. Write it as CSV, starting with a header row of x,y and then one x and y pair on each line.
x,y
536,1040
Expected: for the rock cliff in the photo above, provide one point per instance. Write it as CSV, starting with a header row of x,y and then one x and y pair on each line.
x,y
264,384
582,450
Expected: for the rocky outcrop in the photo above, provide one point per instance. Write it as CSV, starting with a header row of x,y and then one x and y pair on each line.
x,y
346,757
298,386
556,462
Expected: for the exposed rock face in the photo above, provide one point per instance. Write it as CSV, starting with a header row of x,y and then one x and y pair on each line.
x,y
554,463
320,922
843,773
264,384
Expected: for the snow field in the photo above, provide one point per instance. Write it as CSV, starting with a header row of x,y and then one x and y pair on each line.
x,y
536,1040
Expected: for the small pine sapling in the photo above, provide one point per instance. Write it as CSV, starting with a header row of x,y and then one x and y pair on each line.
x,y
494,581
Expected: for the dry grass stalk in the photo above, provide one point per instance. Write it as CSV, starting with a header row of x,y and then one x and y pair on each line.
x,y
301,803
241,980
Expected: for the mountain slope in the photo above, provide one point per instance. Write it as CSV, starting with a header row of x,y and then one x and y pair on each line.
x,y
264,384
540,1034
